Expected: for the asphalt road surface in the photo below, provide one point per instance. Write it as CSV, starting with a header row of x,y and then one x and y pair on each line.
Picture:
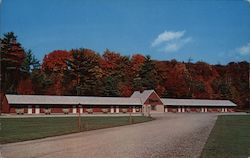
x,y
170,135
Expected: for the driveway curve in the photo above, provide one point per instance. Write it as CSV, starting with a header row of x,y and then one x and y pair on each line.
x,y
170,135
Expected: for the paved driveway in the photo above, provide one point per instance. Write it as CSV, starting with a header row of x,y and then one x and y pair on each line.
x,y
170,135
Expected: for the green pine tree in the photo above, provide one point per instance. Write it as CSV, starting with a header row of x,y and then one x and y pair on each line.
x,y
30,62
11,59
110,87
84,68
148,75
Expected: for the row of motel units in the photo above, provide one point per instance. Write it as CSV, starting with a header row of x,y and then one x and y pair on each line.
x,y
140,102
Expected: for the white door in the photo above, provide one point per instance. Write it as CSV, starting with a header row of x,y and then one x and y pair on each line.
x,y
74,110
183,109
81,109
112,110
117,109
29,109
37,110
134,110
179,109
166,109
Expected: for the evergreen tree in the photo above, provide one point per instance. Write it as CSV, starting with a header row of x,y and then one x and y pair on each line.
x,y
11,59
148,75
30,62
110,87
41,81
84,68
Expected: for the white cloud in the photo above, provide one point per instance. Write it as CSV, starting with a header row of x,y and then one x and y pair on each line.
x,y
175,46
248,1
171,47
170,41
167,36
244,50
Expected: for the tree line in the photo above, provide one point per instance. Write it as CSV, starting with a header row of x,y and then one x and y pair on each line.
x,y
85,72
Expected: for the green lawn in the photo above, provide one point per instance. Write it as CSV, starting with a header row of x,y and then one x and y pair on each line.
x,y
230,138
21,129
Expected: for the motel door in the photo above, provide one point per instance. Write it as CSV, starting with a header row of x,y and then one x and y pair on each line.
x,y
74,110
37,109
29,109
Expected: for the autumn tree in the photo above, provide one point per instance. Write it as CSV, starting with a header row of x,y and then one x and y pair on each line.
x,y
114,64
55,61
137,61
116,68
136,64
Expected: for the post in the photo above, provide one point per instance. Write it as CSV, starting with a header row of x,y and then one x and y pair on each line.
x,y
130,119
79,118
149,108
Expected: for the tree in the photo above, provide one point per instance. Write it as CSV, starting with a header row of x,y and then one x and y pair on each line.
x,y
114,64
110,87
30,62
137,61
40,81
148,75
220,86
55,61
117,67
84,69
12,56
29,65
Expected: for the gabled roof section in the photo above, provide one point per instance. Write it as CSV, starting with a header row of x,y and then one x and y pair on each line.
x,y
144,95
196,102
71,100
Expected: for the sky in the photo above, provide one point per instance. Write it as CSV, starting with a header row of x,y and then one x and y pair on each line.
x,y
216,32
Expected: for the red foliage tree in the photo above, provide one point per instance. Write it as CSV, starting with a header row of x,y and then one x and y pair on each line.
x,y
137,61
25,86
110,61
125,90
55,61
